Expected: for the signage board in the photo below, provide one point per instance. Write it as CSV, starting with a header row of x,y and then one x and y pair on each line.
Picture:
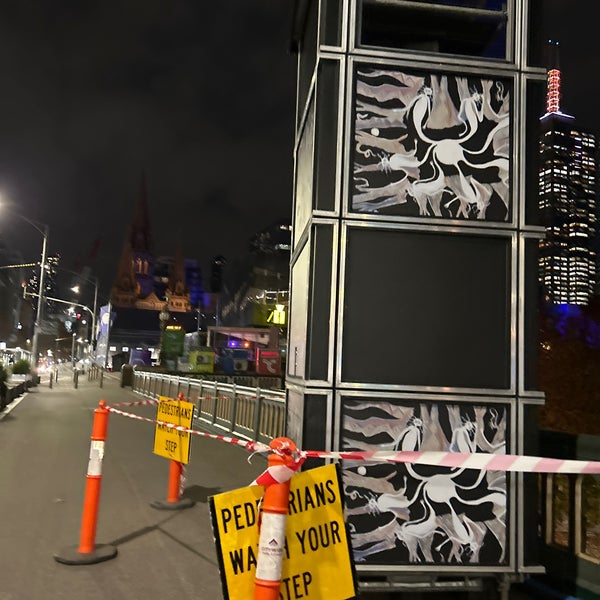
x,y
202,361
317,559
268,362
169,442
172,341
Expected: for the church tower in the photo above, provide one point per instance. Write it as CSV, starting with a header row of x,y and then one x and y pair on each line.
x,y
125,291
140,242
135,277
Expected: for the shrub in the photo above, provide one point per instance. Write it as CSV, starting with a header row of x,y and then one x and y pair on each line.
x,y
21,367
3,374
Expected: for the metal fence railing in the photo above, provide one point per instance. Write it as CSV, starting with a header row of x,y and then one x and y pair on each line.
x,y
251,413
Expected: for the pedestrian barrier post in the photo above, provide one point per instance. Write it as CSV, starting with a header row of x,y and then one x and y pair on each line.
x,y
275,508
50,380
88,552
175,501
101,377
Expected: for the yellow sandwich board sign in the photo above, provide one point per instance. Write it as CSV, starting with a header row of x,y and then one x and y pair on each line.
x,y
317,559
169,442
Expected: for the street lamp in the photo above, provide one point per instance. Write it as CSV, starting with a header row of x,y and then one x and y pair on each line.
x,y
43,229
76,288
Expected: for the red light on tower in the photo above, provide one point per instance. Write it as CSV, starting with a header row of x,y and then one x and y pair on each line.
x,y
553,96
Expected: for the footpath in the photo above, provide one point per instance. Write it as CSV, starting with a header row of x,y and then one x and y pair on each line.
x,y
162,555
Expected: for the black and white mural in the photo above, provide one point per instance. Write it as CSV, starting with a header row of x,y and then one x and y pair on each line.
x,y
416,514
431,145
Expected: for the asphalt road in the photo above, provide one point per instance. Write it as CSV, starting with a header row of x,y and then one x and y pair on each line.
x,y
162,555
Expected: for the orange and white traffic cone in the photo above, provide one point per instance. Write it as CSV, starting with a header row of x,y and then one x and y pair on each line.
x,y
88,552
275,508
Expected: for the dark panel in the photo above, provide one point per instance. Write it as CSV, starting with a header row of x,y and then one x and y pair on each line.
x,y
326,149
331,25
303,198
531,316
308,55
319,303
469,29
540,29
295,416
532,487
402,513
426,309
536,91
315,426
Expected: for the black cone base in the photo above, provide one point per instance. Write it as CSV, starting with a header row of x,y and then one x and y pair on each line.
x,y
179,505
72,556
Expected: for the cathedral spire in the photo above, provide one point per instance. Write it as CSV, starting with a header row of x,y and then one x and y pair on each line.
x,y
124,291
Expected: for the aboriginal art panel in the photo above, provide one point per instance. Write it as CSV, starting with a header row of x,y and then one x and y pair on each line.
x,y
431,145
418,514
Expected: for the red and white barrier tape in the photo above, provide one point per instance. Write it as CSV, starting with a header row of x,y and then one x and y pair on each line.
x,y
248,445
478,460
137,403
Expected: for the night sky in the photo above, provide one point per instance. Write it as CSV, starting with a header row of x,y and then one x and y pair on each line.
x,y
199,96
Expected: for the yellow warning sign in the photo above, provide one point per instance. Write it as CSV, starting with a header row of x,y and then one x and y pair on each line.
x,y
170,442
317,557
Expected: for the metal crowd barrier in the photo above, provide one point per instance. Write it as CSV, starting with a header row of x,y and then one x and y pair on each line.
x,y
251,413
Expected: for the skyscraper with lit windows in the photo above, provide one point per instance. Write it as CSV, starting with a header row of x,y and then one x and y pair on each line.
x,y
567,181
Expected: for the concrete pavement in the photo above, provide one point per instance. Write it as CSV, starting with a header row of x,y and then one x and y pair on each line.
x,y
44,448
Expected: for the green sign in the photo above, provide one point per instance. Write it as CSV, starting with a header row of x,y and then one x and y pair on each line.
x,y
172,341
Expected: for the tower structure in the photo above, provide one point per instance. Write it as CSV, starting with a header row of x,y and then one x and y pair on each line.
x,y
414,275
140,241
567,181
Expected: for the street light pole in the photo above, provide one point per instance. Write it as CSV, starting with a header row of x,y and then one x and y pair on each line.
x,y
93,338
38,314
43,229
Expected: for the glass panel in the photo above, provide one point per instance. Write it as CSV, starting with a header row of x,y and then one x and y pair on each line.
x,y
331,22
561,503
319,304
543,19
531,322
308,56
590,516
326,149
426,309
298,314
536,95
304,176
447,28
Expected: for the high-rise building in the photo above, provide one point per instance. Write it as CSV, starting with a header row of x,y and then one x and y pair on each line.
x,y
50,290
567,180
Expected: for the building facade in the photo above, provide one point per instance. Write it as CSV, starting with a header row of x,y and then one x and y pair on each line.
x,y
567,180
